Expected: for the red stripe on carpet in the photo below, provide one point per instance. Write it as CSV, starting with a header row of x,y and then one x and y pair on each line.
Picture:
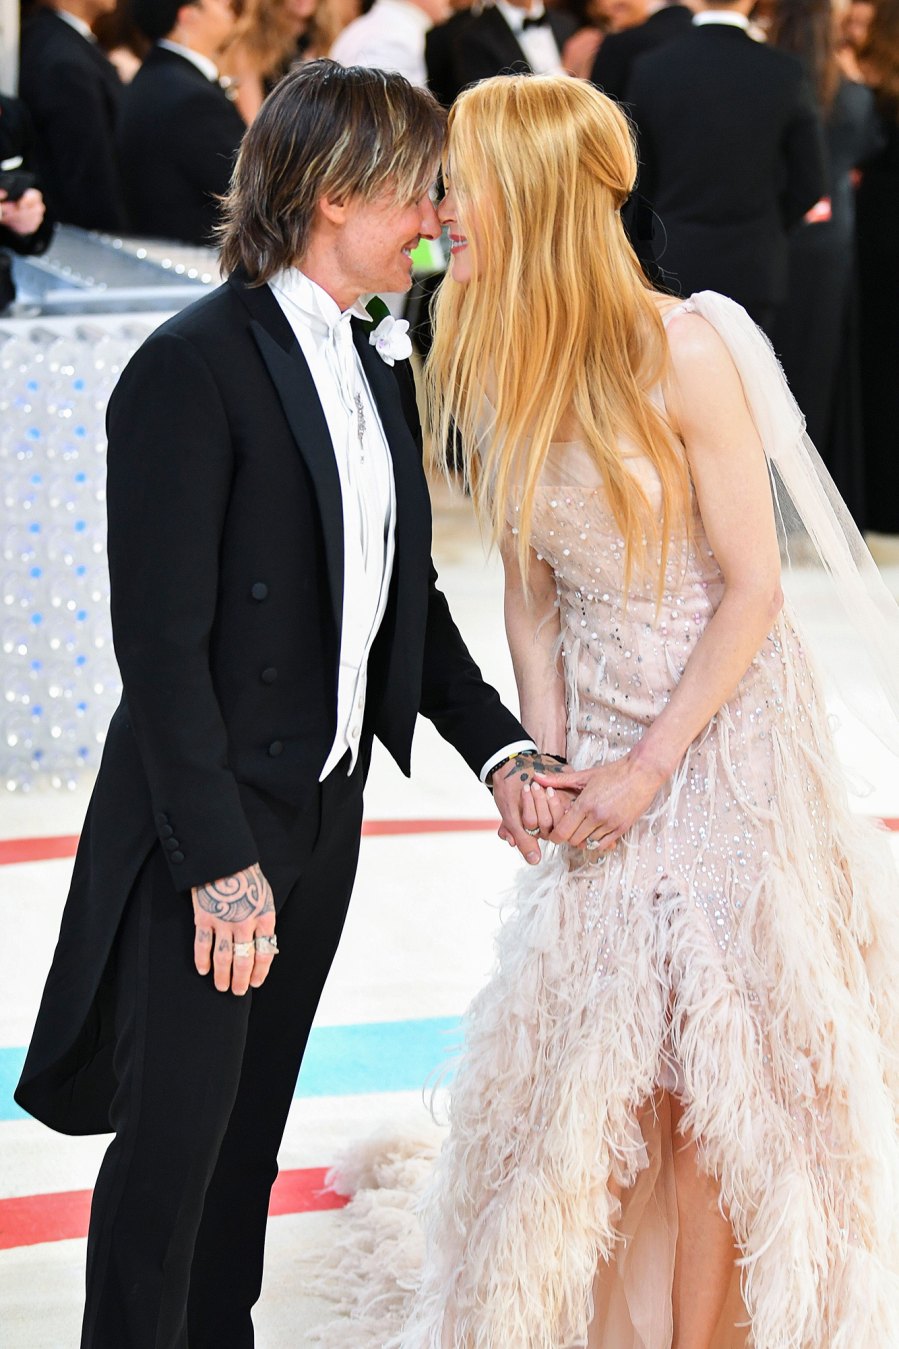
x,y
37,849
13,850
32,1219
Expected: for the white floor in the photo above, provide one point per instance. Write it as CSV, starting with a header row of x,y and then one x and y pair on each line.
x,y
417,945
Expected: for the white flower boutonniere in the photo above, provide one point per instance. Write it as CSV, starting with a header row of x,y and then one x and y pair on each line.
x,y
391,339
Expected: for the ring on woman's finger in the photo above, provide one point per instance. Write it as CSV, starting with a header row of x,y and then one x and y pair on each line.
x,y
267,945
243,950
592,844
533,832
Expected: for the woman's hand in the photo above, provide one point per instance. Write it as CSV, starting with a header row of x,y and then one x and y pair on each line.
x,y
543,807
610,798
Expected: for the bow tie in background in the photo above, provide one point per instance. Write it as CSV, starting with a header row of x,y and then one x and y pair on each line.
x,y
541,21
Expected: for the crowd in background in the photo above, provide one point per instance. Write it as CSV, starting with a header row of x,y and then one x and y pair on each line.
x,y
768,136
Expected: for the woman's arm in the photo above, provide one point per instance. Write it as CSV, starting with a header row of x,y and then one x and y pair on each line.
x,y
532,631
730,475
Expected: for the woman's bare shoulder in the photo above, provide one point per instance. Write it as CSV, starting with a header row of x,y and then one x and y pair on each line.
x,y
696,348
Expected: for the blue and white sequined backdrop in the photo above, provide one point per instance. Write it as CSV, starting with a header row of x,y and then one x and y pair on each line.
x,y
60,683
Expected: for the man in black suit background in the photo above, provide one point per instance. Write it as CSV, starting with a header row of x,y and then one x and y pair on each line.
x,y
25,226
274,610
179,131
440,55
73,94
618,51
508,37
732,157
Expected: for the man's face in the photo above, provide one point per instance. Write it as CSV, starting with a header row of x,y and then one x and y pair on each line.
x,y
214,21
97,8
372,250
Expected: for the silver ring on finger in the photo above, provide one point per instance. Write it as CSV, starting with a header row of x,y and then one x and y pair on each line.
x,y
243,950
267,945
592,844
533,832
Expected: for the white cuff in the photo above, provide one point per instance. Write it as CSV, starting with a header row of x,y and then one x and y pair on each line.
x,y
516,747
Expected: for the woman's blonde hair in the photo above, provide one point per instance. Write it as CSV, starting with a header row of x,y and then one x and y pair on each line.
x,y
559,318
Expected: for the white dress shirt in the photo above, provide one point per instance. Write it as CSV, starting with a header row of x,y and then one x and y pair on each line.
x,y
75,21
203,63
538,44
735,19
365,469
391,36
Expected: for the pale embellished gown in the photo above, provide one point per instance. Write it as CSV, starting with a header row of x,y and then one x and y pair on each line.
x,y
739,947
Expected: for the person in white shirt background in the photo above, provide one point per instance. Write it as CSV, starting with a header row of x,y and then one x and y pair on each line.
x,y
391,36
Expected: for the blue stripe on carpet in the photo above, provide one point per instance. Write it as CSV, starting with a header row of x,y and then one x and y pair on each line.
x,y
340,1060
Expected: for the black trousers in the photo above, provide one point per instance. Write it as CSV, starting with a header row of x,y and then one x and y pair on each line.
x,y
205,1082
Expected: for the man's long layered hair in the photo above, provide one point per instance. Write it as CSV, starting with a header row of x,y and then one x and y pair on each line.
x,y
558,318
325,131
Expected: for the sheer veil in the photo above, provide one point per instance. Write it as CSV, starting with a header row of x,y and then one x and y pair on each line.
x,y
817,533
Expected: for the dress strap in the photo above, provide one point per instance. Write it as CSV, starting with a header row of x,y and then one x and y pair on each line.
x,y
685,307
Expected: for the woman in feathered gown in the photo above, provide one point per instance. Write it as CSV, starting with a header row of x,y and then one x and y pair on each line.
x,y
674,1122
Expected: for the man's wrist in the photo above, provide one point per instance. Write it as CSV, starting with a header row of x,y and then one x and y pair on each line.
x,y
506,755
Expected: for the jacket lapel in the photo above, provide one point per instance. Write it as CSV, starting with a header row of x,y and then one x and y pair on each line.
x,y
302,407
505,45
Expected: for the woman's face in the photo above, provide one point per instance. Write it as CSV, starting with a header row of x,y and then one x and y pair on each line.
x,y
460,236
855,24
298,13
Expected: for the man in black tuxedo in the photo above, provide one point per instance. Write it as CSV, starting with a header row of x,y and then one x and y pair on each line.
x,y
73,94
179,131
618,52
274,610
508,37
440,55
732,157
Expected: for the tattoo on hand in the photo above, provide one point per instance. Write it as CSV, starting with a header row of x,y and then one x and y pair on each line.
x,y
233,899
526,765
224,944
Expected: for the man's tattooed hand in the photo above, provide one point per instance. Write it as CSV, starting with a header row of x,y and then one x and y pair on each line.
x,y
230,916
234,899
524,766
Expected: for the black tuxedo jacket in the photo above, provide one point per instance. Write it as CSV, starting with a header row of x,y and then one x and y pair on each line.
x,y
486,46
226,567
73,94
732,156
178,138
616,57
440,56
17,142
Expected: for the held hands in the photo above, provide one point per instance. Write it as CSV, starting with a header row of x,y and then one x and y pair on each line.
x,y
235,930
608,800
526,813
